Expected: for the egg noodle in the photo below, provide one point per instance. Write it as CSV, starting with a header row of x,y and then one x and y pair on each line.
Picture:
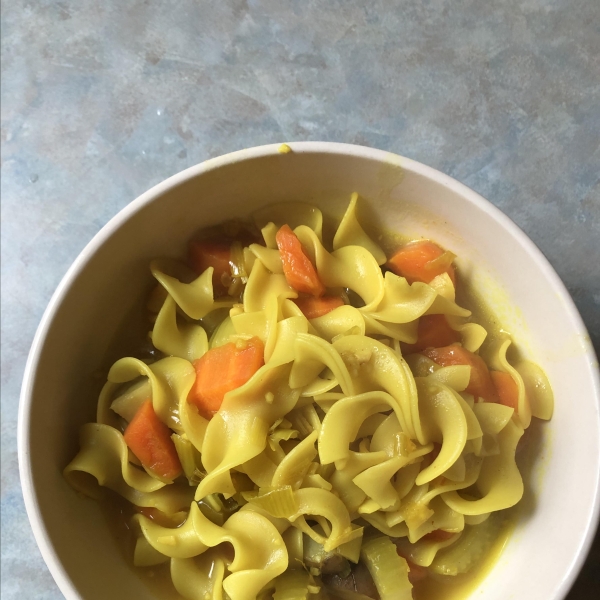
x,y
338,450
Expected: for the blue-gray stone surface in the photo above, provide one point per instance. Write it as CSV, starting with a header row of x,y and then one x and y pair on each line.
x,y
103,99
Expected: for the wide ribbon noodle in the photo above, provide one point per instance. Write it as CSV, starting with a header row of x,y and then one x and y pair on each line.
x,y
352,442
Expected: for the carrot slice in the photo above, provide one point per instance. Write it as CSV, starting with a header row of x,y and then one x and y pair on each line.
x,y
480,383
221,370
433,332
150,440
317,307
212,253
417,261
297,268
507,389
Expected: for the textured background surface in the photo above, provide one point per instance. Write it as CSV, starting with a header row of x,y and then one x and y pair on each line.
x,y
101,100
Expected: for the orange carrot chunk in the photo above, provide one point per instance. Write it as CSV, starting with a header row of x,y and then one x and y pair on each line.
x,y
480,383
433,332
150,440
507,389
297,268
223,369
212,253
417,262
317,307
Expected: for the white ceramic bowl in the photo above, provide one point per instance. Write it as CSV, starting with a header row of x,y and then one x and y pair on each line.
x,y
98,300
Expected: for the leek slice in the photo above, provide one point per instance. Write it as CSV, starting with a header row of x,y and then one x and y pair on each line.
x,y
388,569
351,549
333,561
212,508
441,262
279,502
129,401
189,458
217,509
473,544
292,585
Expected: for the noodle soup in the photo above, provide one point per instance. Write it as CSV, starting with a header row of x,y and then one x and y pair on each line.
x,y
315,418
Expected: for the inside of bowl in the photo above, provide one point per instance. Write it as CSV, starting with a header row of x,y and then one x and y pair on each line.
x,y
101,311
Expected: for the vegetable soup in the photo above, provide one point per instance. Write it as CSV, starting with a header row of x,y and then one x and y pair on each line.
x,y
319,419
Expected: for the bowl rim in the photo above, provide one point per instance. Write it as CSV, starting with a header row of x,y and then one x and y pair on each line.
x,y
41,536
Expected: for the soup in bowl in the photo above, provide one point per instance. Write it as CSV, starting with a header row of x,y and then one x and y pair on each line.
x,y
362,318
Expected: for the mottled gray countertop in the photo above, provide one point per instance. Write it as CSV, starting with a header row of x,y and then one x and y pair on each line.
x,y
101,100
